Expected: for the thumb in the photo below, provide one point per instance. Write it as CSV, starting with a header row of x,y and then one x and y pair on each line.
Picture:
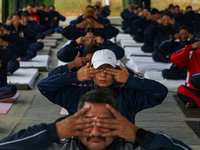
x,y
78,55
86,66
121,67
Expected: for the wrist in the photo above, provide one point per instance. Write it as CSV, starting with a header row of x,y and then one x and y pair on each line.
x,y
71,65
139,136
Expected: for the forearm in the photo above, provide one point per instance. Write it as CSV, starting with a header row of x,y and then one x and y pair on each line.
x,y
37,137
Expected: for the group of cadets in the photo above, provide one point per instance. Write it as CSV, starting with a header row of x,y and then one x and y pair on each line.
x,y
167,34
20,39
90,33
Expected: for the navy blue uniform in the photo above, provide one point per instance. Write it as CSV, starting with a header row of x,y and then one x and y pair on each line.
x,y
18,49
127,19
44,137
5,90
136,94
71,32
139,26
154,34
68,52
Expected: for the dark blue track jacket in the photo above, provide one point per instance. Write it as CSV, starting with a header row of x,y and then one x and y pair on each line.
x,y
137,93
44,137
68,52
71,32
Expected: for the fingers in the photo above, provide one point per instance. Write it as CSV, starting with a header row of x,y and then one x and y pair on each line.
x,y
81,112
115,113
78,55
121,67
86,66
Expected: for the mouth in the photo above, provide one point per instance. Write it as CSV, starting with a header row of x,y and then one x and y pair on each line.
x,y
103,81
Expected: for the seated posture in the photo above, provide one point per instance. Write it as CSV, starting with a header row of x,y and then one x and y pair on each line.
x,y
15,44
68,52
189,57
6,91
96,126
158,31
134,93
74,31
166,48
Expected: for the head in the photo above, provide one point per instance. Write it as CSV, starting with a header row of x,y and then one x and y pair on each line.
x,y
29,8
90,10
167,17
42,7
90,50
188,8
101,60
89,37
15,20
25,16
51,8
97,100
183,34
176,9
154,14
171,8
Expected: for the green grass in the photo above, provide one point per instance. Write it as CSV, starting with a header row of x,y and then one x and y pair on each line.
x,y
0,9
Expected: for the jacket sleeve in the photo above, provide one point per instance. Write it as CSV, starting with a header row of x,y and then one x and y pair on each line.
x,y
110,31
68,52
58,70
61,17
161,141
181,58
150,31
119,52
146,93
71,32
166,46
37,137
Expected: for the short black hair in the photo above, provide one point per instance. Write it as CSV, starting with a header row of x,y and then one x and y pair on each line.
x,y
25,13
1,24
93,30
91,48
183,28
100,95
43,5
29,5
154,11
188,7
177,6
167,13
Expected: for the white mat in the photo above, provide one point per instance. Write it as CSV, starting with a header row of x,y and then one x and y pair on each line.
x,y
55,36
135,51
40,61
23,77
49,40
122,36
130,43
46,48
141,64
50,44
112,40
172,85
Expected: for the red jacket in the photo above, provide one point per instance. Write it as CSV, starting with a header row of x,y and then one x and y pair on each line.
x,y
186,57
34,16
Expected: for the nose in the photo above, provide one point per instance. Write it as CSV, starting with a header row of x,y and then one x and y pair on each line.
x,y
95,131
103,74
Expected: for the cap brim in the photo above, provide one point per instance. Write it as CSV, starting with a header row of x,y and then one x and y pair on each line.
x,y
97,64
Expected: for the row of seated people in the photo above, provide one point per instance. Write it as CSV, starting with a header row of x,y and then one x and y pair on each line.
x,y
165,34
21,37
92,64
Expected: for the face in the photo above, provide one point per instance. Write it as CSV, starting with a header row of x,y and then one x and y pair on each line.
x,y
15,21
183,35
96,141
29,9
103,79
89,39
166,20
42,8
176,10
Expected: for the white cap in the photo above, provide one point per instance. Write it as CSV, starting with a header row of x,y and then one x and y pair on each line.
x,y
104,56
